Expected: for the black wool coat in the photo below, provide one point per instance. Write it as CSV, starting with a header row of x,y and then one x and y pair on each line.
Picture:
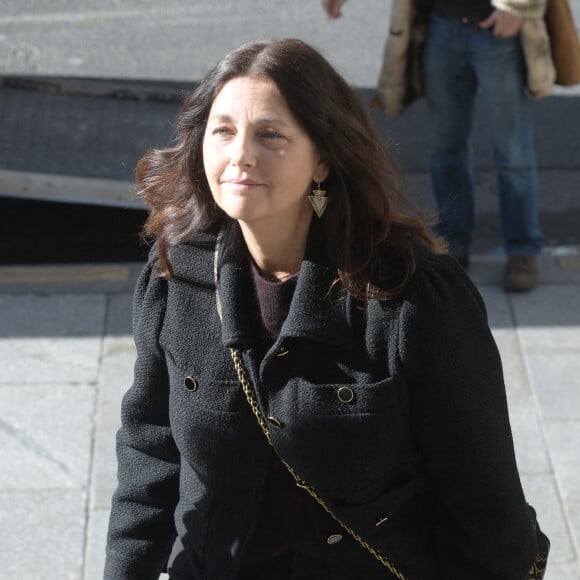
x,y
420,463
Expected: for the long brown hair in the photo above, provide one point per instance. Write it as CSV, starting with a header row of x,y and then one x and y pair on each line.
x,y
370,227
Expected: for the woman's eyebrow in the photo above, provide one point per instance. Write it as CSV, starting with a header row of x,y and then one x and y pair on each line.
x,y
220,117
266,120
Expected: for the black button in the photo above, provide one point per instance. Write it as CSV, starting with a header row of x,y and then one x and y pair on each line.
x,y
345,395
190,384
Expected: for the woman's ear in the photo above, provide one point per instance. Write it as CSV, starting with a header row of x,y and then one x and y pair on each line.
x,y
321,172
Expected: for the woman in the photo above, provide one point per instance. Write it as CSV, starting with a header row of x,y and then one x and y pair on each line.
x,y
292,292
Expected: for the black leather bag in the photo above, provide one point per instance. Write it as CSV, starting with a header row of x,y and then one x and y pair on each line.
x,y
538,570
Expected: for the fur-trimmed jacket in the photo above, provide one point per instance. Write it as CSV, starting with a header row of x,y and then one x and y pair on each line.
x,y
401,80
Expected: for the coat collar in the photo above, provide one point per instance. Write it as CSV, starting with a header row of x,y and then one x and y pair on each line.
x,y
317,311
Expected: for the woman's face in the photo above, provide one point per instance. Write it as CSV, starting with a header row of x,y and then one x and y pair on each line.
x,y
259,162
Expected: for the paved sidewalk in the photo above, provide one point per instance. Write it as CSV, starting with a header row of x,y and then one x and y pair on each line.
x,y
66,356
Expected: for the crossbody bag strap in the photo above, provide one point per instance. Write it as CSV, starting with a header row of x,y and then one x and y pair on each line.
x,y
252,401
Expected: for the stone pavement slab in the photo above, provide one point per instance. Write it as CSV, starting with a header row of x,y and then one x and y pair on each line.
x,y
43,534
46,436
549,328
114,379
52,338
539,338
52,328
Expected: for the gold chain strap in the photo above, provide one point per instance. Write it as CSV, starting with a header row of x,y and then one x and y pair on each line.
x,y
247,388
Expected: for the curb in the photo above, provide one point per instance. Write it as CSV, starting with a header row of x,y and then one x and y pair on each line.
x,y
163,91
65,188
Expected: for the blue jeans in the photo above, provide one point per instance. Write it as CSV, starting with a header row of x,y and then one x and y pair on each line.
x,y
459,59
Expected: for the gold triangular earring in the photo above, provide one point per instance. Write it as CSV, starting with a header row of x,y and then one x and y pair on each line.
x,y
318,201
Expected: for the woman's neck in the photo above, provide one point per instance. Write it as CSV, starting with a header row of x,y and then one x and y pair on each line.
x,y
277,250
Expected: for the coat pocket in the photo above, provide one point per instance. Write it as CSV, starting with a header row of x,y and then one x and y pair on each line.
x,y
346,436
348,398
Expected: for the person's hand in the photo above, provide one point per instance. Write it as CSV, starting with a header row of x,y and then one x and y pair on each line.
x,y
503,24
333,7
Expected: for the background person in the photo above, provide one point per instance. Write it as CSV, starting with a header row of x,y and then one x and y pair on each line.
x,y
470,47
293,292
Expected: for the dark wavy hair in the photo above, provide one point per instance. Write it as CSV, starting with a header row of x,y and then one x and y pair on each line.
x,y
370,227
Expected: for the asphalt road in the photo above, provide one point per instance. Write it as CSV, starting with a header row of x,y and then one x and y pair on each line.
x,y
180,39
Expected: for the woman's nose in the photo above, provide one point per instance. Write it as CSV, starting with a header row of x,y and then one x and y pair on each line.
x,y
243,151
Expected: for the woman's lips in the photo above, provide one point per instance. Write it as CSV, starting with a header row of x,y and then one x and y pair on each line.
x,y
242,184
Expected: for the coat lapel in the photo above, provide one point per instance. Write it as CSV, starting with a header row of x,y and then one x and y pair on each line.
x,y
318,308
234,295
317,311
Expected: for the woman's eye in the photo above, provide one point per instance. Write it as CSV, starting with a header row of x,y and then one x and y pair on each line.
x,y
222,131
271,134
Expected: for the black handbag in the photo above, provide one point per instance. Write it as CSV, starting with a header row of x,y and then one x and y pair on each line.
x,y
538,570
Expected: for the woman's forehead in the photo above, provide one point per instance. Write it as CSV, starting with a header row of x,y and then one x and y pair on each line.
x,y
258,97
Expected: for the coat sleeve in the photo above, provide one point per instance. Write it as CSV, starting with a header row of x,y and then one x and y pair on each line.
x,y
523,8
460,420
141,528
